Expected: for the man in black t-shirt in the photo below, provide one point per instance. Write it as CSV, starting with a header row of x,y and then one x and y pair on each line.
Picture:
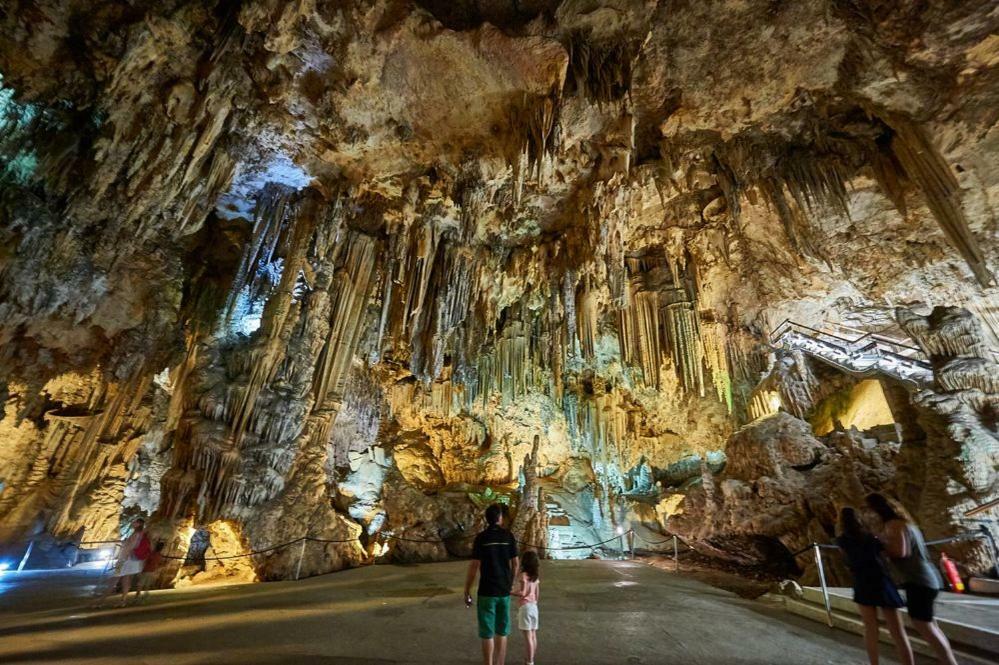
x,y
494,559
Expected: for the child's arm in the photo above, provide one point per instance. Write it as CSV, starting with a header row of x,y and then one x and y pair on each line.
x,y
518,587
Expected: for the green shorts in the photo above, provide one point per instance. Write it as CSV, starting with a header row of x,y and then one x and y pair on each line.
x,y
494,616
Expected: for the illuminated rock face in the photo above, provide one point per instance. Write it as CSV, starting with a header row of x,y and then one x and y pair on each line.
x,y
271,270
781,490
957,466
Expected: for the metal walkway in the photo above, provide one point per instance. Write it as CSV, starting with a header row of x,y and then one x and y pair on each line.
x,y
869,354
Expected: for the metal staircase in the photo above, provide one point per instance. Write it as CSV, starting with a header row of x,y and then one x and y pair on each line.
x,y
869,354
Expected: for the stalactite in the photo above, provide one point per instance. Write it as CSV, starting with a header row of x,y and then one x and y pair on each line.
x,y
661,324
796,382
117,408
947,332
987,311
509,368
269,222
714,338
925,166
763,403
534,126
569,305
587,316
601,72
683,335
350,293
279,317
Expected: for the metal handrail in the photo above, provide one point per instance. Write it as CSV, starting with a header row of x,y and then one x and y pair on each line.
x,y
875,369
875,337
982,534
787,324
872,352
988,505
852,346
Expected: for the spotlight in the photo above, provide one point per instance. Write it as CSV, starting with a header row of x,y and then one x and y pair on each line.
x,y
4,566
620,531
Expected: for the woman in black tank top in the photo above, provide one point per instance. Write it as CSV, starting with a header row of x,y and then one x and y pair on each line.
x,y
904,544
872,586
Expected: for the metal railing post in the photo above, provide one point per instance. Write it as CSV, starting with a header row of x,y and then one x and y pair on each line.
x,y
301,555
822,581
676,555
990,543
27,554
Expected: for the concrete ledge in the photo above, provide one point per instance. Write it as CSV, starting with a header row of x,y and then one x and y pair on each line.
x,y
960,633
845,616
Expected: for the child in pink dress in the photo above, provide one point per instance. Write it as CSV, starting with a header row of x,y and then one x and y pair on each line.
x,y
528,588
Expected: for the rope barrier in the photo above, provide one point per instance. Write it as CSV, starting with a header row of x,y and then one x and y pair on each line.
x,y
964,536
388,536
428,542
660,542
264,551
578,547
237,556
519,542
327,540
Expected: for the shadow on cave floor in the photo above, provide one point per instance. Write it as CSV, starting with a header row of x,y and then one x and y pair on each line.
x,y
744,581
592,613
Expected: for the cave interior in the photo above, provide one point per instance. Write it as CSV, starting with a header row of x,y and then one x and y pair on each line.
x,y
355,270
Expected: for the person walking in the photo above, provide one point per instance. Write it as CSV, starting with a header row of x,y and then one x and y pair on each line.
x,y
872,586
905,545
528,590
150,571
495,561
134,551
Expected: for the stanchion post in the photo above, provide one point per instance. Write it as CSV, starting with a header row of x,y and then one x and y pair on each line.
x,y
676,555
990,542
27,554
301,555
822,581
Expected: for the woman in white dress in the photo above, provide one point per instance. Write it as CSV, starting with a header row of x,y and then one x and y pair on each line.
x,y
131,559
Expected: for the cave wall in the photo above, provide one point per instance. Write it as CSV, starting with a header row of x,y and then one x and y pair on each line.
x,y
327,269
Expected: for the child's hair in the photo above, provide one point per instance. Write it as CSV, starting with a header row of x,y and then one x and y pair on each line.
x,y
159,546
849,524
530,565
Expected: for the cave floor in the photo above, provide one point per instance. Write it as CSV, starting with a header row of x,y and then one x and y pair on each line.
x,y
592,613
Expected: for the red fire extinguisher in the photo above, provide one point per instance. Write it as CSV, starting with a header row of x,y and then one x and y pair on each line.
x,y
950,571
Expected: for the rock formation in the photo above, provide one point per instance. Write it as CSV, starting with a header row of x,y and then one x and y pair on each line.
x,y
954,469
336,270
781,490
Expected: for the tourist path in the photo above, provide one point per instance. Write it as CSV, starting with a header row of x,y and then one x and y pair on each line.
x,y
592,613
